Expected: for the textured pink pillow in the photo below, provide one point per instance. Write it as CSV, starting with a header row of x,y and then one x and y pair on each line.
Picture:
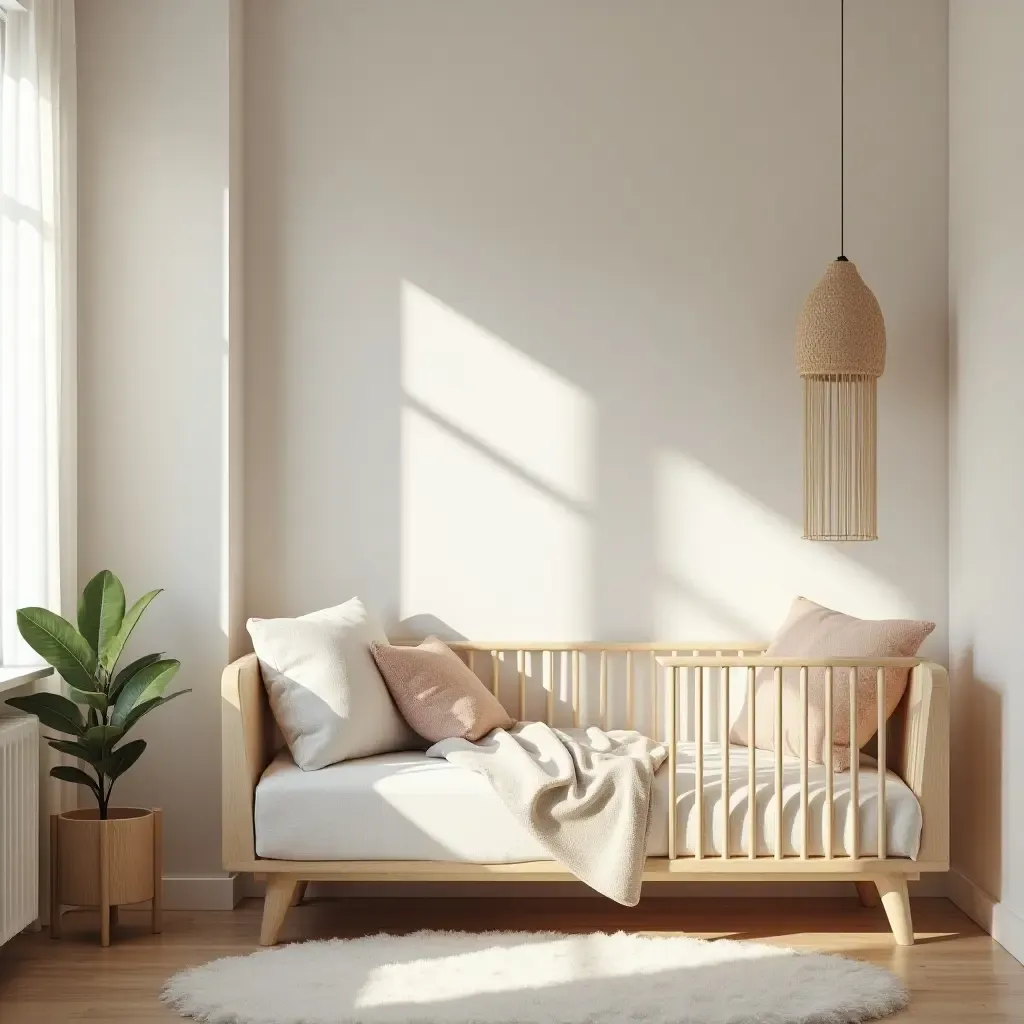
x,y
437,693
813,631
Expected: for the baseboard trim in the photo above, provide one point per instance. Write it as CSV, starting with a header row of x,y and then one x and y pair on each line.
x,y
202,892
1003,924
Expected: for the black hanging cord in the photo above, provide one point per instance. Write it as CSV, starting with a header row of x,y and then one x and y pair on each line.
x,y
842,130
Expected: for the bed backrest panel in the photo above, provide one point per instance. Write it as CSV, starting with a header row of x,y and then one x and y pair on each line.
x,y
612,685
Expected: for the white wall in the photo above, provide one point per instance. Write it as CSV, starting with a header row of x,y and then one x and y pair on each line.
x,y
522,287
986,204
153,170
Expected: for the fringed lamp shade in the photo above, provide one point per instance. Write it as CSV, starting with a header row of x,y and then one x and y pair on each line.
x,y
840,353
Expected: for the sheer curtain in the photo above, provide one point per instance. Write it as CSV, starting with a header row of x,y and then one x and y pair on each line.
x,y
37,318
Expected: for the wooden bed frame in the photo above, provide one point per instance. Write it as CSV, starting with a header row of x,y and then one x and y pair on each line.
x,y
915,746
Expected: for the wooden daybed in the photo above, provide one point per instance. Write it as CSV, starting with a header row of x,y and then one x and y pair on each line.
x,y
830,828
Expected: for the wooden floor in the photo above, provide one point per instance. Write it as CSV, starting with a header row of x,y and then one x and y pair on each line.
x,y
955,972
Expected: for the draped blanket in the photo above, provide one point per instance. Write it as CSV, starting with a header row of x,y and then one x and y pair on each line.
x,y
583,794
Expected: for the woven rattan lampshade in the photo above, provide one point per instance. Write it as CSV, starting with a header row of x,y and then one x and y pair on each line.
x,y
840,353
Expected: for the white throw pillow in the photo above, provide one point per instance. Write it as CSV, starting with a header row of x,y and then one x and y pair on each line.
x,y
325,689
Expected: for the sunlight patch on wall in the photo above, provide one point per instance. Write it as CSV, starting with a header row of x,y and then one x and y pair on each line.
x,y
482,549
481,385
731,563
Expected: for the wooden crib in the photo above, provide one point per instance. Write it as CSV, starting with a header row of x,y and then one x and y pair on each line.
x,y
680,693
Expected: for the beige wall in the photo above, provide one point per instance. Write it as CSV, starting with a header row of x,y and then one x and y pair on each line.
x,y
987,480
153,170
523,282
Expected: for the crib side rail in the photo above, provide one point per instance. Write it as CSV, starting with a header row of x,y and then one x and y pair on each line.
x,y
551,681
920,733
922,736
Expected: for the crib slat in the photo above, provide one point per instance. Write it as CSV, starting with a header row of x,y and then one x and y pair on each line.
x,y
726,761
698,791
549,684
803,765
472,661
576,689
672,740
751,767
521,669
778,763
883,845
494,673
603,695
629,689
682,719
854,769
830,797
654,695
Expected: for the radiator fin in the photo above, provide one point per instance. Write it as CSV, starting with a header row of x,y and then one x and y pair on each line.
x,y
19,825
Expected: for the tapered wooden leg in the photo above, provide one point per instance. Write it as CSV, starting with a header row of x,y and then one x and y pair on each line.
x,y
300,893
896,900
158,871
104,883
280,890
867,894
54,885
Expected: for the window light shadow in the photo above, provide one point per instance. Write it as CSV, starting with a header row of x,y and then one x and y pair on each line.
x,y
738,561
487,390
496,481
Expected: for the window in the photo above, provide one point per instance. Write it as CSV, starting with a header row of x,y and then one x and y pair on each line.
x,y
31,320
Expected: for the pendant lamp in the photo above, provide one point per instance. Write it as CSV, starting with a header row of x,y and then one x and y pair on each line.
x,y
840,354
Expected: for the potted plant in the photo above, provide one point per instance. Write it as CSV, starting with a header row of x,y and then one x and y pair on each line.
x,y
104,855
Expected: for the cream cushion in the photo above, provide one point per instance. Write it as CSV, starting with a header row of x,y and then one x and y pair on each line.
x,y
326,694
439,696
813,631
408,806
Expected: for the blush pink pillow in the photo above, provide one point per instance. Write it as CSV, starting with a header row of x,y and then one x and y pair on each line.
x,y
437,693
815,632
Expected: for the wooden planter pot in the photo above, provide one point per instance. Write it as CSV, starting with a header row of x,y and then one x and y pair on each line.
x,y
103,864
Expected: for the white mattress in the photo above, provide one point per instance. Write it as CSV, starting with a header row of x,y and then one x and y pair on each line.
x,y
408,806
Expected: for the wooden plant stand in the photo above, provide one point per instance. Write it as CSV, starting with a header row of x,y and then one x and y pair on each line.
x,y
104,864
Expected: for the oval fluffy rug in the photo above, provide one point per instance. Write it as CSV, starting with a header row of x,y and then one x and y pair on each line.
x,y
533,978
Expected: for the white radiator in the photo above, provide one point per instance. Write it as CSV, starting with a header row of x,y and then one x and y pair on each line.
x,y
19,825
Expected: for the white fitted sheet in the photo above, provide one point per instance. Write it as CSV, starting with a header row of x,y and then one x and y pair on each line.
x,y
407,806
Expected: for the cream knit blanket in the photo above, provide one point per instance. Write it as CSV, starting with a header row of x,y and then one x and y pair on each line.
x,y
583,794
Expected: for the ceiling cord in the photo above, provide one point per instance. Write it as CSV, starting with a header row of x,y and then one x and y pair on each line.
x,y
842,129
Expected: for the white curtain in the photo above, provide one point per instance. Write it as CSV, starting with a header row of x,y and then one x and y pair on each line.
x,y
37,318
38,412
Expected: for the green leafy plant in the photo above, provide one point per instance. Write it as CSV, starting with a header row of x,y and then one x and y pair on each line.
x,y
104,704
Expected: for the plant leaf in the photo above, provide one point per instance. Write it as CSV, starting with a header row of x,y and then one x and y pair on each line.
x,y
72,749
53,710
60,645
68,773
127,672
101,610
103,734
100,738
120,760
144,708
113,649
147,683
97,701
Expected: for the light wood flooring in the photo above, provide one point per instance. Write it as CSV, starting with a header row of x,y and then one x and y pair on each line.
x,y
955,971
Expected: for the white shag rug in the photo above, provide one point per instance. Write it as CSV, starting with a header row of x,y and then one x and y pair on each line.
x,y
533,978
